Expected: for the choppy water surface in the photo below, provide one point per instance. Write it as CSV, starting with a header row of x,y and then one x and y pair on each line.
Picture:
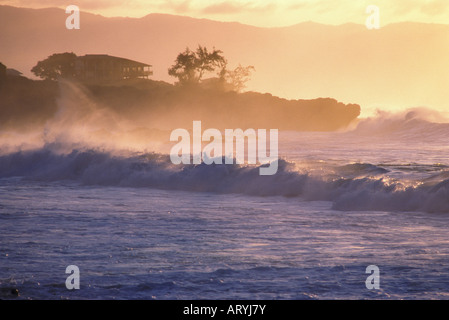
x,y
139,227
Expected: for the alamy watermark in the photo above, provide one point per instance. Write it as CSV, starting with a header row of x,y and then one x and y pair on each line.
x,y
73,280
72,21
373,20
373,280
188,150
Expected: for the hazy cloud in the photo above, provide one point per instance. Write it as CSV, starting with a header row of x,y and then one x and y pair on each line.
x,y
354,11
435,7
231,7
184,6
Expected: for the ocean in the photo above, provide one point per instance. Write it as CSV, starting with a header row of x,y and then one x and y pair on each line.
x,y
139,227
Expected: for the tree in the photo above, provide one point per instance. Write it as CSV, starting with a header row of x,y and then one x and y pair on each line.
x,y
238,77
190,66
55,66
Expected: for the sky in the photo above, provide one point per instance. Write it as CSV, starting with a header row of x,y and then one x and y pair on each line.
x,y
262,13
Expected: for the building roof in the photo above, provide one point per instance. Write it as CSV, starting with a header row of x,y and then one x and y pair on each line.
x,y
108,57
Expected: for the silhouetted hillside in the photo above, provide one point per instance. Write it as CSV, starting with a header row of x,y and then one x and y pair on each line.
x,y
25,103
156,104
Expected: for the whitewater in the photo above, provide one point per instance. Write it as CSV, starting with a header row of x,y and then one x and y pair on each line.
x,y
140,227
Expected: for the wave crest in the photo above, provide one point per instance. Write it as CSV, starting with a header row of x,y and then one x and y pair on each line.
x,y
351,187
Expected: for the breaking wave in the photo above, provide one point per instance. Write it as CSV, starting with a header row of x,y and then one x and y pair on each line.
x,y
414,123
355,186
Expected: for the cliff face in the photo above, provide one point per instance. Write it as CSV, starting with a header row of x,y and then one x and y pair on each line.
x,y
155,104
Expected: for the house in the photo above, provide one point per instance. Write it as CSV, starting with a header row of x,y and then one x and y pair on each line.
x,y
102,68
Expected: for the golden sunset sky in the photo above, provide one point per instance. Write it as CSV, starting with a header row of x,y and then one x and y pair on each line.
x,y
263,13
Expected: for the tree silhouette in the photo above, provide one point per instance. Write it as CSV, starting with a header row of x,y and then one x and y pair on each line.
x,y
55,66
238,77
190,66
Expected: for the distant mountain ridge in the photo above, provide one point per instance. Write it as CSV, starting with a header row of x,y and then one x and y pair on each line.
x,y
402,64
